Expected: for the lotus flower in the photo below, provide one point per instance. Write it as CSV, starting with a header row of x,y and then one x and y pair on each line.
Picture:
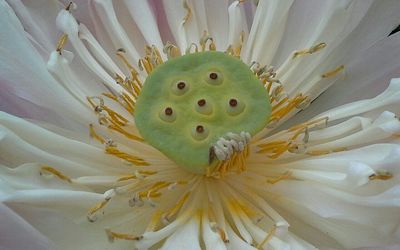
x,y
202,124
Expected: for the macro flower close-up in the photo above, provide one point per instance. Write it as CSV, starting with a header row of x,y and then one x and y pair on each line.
x,y
199,124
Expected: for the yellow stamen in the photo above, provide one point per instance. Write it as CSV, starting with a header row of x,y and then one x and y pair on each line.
x,y
381,175
171,50
133,176
291,105
175,209
325,152
55,172
121,54
145,65
122,131
94,105
94,135
188,12
267,237
61,42
238,50
147,172
266,147
318,152
192,46
223,235
235,51
268,85
230,50
333,72
127,177
279,104
154,189
69,6
341,149
97,207
154,221
203,42
153,56
134,73
285,176
113,235
124,100
236,162
314,123
127,157
309,51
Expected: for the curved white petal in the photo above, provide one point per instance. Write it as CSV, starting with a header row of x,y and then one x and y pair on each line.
x,y
217,20
187,237
145,19
266,31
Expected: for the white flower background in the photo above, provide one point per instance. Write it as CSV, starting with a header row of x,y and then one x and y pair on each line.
x,y
46,214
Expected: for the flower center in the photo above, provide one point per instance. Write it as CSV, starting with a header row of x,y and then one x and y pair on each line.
x,y
201,109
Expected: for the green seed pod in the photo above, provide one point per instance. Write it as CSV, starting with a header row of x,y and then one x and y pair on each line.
x,y
189,102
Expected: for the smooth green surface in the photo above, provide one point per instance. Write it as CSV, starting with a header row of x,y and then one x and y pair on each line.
x,y
177,137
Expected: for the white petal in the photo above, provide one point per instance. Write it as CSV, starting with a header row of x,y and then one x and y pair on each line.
x,y
186,237
146,21
388,100
107,14
237,23
184,33
211,239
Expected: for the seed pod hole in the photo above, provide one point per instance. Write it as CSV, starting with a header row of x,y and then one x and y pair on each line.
x,y
235,106
200,132
167,114
180,87
214,78
203,107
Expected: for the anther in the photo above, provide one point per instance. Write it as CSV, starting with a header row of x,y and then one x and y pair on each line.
x,y
233,102
200,129
181,85
168,111
61,42
71,6
201,102
213,75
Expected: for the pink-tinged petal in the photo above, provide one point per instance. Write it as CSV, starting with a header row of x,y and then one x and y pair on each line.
x,y
16,233
38,17
164,28
23,73
65,232
217,19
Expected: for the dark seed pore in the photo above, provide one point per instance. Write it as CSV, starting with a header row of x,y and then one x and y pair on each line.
x,y
233,102
213,75
168,111
200,129
181,85
201,102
